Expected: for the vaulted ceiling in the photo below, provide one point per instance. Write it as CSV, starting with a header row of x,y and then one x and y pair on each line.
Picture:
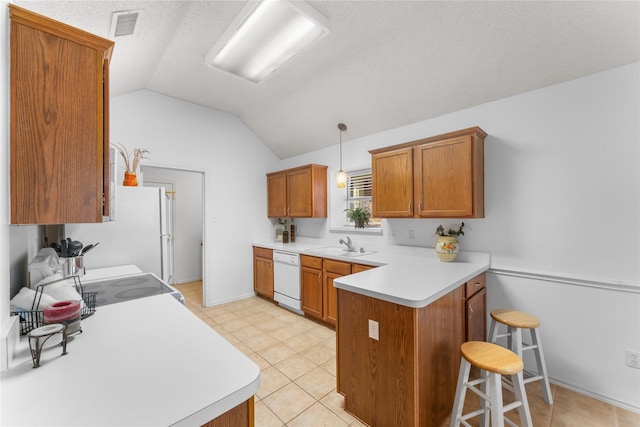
x,y
384,64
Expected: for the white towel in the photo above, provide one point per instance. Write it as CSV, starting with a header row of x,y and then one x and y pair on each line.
x,y
24,300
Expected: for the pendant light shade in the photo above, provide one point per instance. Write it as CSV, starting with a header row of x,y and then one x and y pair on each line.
x,y
341,179
341,176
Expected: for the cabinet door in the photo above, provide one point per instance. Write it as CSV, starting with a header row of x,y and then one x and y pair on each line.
x,y
58,118
312,292
263,276
392,180
277,195
332,270
330,299
475,319
444,178
299,193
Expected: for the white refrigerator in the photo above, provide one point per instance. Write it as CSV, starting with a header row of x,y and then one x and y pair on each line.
x,y
140,233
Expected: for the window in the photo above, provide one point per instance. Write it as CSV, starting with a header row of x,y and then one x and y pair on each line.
x,y
359,190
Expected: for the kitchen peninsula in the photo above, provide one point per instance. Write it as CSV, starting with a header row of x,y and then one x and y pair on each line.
x,y
148,361
398,338
416,307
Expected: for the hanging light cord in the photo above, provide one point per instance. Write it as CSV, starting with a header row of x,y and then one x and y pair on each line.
x,y
342,128
341,176
340,149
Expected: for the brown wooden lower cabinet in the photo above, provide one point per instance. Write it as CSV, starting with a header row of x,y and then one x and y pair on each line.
x,y
263,272
332,270
475,309
311,284
407,377
319,296
240,416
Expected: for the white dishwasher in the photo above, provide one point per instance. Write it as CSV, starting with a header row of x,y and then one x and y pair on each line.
x,y
286,280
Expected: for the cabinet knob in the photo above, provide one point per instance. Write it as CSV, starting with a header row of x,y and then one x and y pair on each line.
x,y
409,207
319,278
419,206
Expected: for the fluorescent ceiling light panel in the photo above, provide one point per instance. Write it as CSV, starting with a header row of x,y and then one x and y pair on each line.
x,y
266,36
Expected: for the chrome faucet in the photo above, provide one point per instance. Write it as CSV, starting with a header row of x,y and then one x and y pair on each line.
x,y
348,243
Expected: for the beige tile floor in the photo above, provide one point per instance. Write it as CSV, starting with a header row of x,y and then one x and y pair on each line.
x,y
297,361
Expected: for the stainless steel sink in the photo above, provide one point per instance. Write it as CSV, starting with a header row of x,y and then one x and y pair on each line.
x,y
338,251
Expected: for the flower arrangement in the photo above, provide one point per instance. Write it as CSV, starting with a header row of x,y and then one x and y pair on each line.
x,y
138,155
451,233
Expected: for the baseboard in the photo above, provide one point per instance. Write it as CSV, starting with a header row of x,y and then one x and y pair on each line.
x,y
596,396
251,294
199,279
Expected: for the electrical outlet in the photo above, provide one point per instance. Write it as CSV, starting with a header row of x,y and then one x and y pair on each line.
x,y
392,234
412,235
374,331
633,359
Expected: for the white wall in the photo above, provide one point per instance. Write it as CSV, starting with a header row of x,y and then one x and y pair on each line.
x,y
184,135
187,218
561,223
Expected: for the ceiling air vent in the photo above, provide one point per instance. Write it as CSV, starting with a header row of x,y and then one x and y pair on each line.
x,y
125,23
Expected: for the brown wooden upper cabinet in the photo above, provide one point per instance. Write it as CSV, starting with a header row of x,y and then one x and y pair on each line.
x,y
437,177
298,193
59,121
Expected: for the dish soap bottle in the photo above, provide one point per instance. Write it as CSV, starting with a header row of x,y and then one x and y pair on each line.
x,y
285,233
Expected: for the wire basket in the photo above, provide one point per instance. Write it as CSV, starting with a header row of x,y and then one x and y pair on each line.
x,y
32,319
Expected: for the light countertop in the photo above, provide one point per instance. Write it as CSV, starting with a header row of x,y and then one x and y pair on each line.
x,y
406,275
148,361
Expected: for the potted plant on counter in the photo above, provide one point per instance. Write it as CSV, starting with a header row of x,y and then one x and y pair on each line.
x,y
360,216
447,243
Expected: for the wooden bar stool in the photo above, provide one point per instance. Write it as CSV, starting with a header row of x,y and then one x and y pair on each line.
x,y
516,321
494,362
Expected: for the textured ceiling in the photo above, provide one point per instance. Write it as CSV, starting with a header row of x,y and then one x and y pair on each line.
x,y
384,64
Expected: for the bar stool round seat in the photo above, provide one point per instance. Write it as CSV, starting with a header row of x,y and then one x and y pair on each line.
x,y
494,361
491,358
516,321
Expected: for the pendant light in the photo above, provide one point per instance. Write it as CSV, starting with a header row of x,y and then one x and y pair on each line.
x,y
341,176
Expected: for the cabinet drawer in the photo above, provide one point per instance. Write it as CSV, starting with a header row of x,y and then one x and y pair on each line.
x,y
262,252
337,267
475,284
357,268
311,261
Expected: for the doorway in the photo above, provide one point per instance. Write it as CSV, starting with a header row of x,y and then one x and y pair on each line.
x,y
168,226
184,191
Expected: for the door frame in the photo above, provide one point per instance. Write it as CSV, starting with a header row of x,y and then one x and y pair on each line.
x,y
204,246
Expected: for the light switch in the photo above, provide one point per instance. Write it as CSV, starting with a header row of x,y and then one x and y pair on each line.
x,y
374,331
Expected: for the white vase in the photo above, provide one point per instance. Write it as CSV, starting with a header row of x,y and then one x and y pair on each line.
x,y
447,248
